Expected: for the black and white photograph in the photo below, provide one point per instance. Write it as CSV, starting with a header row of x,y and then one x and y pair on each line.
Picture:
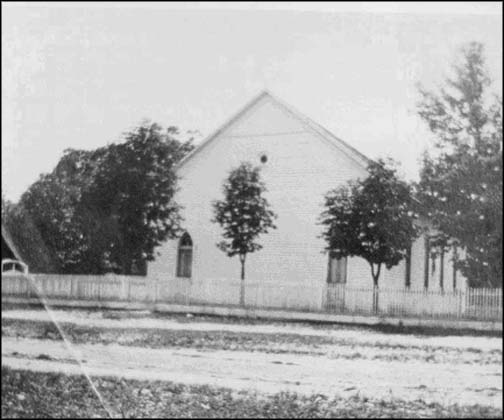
x,y
252,209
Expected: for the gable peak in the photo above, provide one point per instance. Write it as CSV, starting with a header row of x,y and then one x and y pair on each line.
x,y
323,133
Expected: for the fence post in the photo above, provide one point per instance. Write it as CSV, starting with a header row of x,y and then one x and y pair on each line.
x,y
499,307
152,285
375,300
343,299
482,304
459,304
29,286
467,300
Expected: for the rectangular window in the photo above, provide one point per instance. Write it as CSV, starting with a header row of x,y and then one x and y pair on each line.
x,y
407,279
337,270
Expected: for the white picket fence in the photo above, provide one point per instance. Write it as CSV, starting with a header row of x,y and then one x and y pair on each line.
x,y
472,304
476,304
302,297
80,287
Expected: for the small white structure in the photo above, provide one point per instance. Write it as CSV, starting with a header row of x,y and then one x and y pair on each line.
x,y
301,162
10,266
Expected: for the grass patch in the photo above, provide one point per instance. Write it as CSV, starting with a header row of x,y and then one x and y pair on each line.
x,y
238,341
244,341
188,317
380,328
432,331
28,394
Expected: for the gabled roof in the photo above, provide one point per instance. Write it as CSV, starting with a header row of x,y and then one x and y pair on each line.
x,y
317,129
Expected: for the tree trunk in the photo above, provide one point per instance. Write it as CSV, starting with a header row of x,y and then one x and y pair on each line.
x,y
376,276
242,282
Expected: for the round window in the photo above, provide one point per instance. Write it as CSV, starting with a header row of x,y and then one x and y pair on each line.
x,y
264,158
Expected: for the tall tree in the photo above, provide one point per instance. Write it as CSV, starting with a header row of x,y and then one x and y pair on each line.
x,y
133,190
372,218
107,209
27,239
461,181
244,214
50,204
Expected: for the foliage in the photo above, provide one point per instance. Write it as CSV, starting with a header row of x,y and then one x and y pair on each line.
x,y
132,193
244,213
27,239
28,394
371,218
50,203
461,181
248,341
107,209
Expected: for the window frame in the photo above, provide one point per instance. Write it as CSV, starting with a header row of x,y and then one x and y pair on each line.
x,y
184,257
341,273
407,277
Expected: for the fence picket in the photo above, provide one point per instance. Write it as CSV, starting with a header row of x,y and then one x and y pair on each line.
x,y
475,304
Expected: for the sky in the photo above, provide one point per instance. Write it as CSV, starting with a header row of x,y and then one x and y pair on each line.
x,y
78,76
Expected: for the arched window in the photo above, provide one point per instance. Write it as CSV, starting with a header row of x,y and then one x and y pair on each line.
x,y
184,257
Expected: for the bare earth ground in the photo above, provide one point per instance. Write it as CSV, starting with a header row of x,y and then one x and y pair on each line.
x,y
266,357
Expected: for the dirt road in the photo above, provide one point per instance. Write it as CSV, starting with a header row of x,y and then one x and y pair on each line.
x,y
470,373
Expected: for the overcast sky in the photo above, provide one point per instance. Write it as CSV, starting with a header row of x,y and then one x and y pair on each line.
x,y
77,77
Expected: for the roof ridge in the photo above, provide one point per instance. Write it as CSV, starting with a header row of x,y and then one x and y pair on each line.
x,y
318,127
222,127
325,134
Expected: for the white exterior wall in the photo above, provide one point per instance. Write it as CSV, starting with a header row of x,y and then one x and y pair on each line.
x,y
418,263
301,168
292,267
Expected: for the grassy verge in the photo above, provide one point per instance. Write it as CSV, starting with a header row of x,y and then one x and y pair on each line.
x,y
185,317
241,341
28,394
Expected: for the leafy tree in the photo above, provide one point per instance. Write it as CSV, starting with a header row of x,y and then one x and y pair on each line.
x,y
107,209
132,191
27,239
244,214
50,204
461,180
55,204
371,218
